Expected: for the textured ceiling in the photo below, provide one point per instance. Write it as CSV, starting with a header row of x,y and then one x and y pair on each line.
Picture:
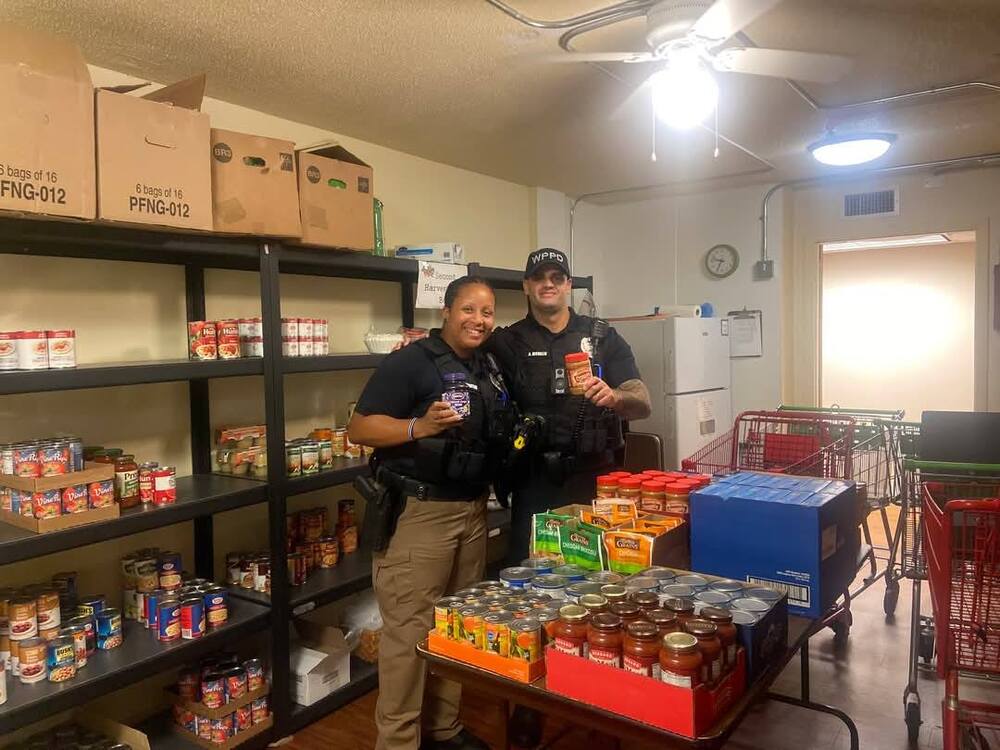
x,y
459,82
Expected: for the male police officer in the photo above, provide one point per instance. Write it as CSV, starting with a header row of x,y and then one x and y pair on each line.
x,y
580,433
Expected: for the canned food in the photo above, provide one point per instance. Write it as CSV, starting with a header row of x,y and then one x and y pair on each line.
x,y
202,339
497,632
698,583
754,606
216,607
32,660
520,610
168,616
306,347
547,619
61,347
642,583
204,728
8,357
64,583
325,455
244,717
262,574
329,552
526,639
79,635
146,481
727,587
310,457
61,659
339,441
541,565
572,573
575,590
742,617
47,609
261,710
290,328
168,569
101,494
253,346
54,458
89,631
604,576
491,586
74,499
222,729
228,338
213,690
495,603
471,594
473,624
444,625
186,719
676,590
235,683
27,462
23,618
192,618
296,568
764,594
47,504
151,607
109,629
48,634
188,684
164,486
289,347
293,459
32,350
710,598
539,599
90,605
517,578
255,674
552,585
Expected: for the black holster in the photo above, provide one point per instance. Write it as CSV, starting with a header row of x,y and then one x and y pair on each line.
x,y
383,506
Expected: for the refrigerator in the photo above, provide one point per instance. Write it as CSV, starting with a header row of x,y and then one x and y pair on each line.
x,y
685,364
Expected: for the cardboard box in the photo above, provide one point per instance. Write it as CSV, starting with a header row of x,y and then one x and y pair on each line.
x,y
321,663
46,126
766,640
153,157
112,729
795,534
515,669
336,199
675,709
254,187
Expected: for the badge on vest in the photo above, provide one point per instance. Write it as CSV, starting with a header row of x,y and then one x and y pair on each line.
x,y
586,346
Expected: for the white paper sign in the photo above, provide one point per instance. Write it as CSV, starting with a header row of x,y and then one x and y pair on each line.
x,y
433,279
745,334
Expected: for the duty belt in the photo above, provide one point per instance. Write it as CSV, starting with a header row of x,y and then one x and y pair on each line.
x,y
423,490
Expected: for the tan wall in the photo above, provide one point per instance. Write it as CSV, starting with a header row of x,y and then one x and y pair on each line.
x,y
898,327
133,311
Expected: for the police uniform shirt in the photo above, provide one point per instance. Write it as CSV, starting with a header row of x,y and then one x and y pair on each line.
x,y
614,354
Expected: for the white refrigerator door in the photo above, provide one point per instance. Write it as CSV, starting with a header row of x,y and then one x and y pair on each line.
x,y
697,354
693,420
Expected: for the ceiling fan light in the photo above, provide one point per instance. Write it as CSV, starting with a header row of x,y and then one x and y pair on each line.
x,y
850,150
684,95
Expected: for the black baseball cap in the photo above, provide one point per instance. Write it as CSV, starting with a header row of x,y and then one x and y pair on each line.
x,y
546,256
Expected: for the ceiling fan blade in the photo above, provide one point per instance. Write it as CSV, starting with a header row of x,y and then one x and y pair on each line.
x,y
578,57
726,17
783,63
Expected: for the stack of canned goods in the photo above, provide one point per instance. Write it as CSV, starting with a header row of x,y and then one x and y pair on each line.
x,y
156,594
249,570
231,338
220,682
48,631
305,337
70,736
491,616
37,350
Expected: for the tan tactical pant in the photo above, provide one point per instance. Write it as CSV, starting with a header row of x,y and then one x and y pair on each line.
x,y
439,547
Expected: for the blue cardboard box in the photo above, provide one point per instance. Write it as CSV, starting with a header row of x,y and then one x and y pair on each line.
x,y
796,534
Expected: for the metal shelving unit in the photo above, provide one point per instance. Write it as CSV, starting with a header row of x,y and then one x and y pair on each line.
x,y
204,494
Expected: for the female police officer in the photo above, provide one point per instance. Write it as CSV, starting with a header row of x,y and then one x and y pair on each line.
x,y
440,464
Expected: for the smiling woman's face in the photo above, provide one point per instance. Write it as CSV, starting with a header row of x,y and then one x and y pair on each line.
x,y
469,320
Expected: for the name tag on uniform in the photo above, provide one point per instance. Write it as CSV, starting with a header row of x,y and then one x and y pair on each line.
x,y
538,354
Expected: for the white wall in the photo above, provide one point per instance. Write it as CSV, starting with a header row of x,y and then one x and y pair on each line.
x,y
650,253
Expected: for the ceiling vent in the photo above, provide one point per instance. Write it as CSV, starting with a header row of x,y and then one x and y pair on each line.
x,y
875,203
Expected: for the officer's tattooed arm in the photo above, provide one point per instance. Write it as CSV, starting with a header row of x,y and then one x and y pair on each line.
x,y
632,400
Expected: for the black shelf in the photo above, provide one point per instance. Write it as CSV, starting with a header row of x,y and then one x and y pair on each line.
x,y
352,574
139,656
346,264
109,374
344,470
77,239
197,495
364,679
331,362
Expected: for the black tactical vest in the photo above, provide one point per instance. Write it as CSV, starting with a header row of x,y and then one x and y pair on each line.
x,y
540,364
466,455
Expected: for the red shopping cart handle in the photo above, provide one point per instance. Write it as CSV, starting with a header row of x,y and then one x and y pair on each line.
x,y
991,504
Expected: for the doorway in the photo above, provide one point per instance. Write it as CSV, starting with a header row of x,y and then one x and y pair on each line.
x,y
897,317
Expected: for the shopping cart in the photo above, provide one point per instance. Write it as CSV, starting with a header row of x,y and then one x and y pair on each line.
x,y
905,552
789,442
961,532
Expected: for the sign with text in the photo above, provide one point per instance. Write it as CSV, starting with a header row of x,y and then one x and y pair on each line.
x,y
433,279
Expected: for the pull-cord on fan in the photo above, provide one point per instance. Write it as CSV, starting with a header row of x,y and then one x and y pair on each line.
x,y
689,38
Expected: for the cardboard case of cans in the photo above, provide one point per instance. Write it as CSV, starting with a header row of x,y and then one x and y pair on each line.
x,y
37,350
221,701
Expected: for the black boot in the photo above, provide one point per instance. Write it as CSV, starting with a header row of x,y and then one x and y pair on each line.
x,y
524,729
464,740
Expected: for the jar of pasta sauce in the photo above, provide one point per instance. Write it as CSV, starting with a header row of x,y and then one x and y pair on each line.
x,y
680,661
604,639
641,649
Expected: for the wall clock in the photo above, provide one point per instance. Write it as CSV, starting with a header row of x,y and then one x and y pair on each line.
x,y
721,261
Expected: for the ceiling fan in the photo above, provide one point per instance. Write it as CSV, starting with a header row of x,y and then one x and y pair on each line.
x,y
689,37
